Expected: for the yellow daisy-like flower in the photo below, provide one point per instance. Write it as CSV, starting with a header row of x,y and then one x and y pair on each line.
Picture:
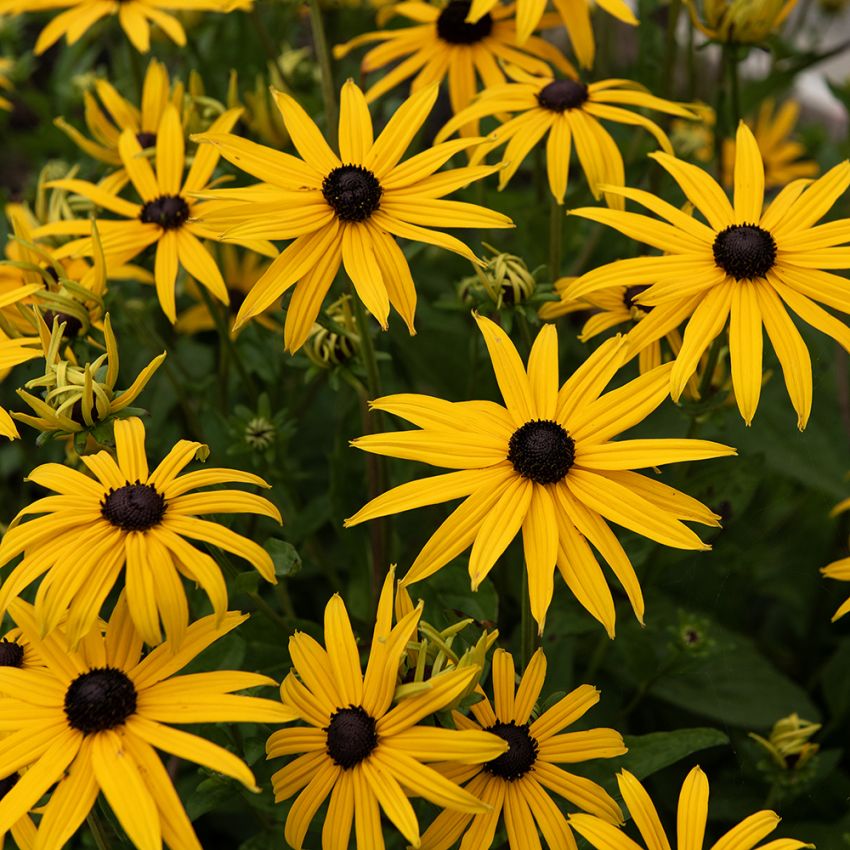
x,y
691,822
569,111
782,156
517,785
443,44
129,517
90,721
135,17
366,753
6,66
749,265
546,464
166,216
108,119
346,210
575,15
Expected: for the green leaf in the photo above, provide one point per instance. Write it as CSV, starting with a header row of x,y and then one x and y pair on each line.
x,y
286,559
653,752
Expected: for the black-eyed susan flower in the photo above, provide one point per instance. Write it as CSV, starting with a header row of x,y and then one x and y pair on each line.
x,y
166,216
691,822
366,753
91,721
345,210
545,464
739,21
76,397
746,267
517,785
134,16
442,44
108,119
568,113
783,157
575,15
127,518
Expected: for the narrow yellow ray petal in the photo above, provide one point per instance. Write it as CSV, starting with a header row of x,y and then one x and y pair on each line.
x,y
692,811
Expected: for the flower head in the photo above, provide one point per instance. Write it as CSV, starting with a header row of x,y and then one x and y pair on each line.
x,y
356,746
127,518
747,265
567,112
91,719
345,210
691,823
544,464
518,783
740,21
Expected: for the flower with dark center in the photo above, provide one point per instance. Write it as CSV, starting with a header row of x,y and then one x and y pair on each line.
x,y
352,736
521,755
562,95
11,653
541,450
100,699
72,324
631,295
133,507
168,211
353,192
452,25
744,251
146,139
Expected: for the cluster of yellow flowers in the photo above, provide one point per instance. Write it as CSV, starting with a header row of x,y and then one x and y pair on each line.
x,y
83,708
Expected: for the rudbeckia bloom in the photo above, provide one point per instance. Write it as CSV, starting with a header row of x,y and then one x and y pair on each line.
x,y
748,265
781,154
545,463
570,112
443,44
135,17
90,721
166,216
128,517
366,753
346,209
108,119
517,784
691,822
575,15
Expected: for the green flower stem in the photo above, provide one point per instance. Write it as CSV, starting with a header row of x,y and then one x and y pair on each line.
x,y
375,471
556,236
671,46
730,55
98,830
323,54
528,626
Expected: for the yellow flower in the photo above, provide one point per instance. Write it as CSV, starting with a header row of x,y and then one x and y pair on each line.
x,y
78,397
749,264
574,15
788,744
166,216
356,746
782,157
568,113
515,784
135,17
345,210
740,21
544,464
90,720
127,518
691,822
443,44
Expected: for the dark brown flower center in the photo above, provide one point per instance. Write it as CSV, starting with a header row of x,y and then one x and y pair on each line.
x,y
744,251
542,451
168,211
11,653
353,192
72,324
562,95
352,736
521,754
146,139
133,507
452,25
100,699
